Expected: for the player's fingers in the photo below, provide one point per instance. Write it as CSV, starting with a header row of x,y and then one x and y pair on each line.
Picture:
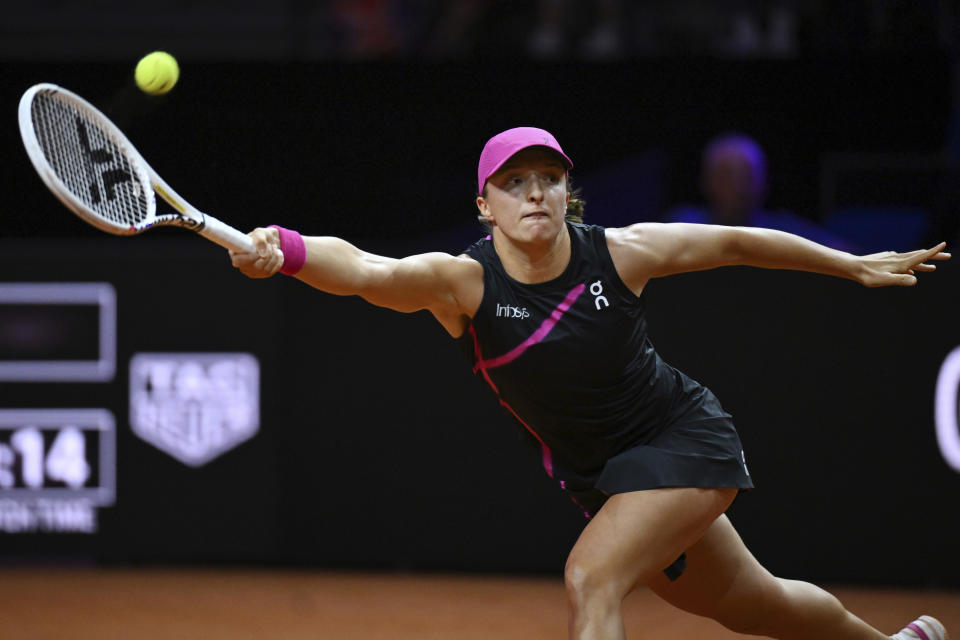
x,y
261,241
887,279
912,257
917,259
273,261
932,252
241,260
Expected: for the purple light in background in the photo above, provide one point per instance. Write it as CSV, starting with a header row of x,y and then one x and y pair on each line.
x,y
946,409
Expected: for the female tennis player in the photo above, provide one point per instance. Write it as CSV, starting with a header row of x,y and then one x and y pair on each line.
x,y
551,313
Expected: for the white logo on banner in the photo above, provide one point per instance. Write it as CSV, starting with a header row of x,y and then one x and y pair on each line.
x,y
194,406
56,468
946,409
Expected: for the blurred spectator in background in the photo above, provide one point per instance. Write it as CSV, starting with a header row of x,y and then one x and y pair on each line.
x,y
877,25
548,39
729,28
368,28
605,39
610,29
619,29
734,182
542,29
762,28
455,28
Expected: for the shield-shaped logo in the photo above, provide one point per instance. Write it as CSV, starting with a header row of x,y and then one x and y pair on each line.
x,y
194,406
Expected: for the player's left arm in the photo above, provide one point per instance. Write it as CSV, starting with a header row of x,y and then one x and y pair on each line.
x,y
650,250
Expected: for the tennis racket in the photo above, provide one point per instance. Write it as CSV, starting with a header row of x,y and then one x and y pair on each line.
x,y
87,162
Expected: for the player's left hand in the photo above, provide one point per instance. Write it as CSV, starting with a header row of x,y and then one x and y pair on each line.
x,y
898,269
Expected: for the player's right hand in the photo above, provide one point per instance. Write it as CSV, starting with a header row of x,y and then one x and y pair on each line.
x,y
265,260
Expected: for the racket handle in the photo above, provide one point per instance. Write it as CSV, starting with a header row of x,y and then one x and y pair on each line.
x,y
225,235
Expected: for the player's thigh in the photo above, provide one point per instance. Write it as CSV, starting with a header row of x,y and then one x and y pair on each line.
x,y
722,580
640,533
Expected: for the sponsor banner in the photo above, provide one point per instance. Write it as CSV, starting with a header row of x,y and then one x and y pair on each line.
x,y
194,406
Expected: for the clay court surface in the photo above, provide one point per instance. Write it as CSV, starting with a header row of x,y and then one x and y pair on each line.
x,y
163,603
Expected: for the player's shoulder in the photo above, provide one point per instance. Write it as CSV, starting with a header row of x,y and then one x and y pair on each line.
x,y
460,280
444,260
635,235
639,248
450,267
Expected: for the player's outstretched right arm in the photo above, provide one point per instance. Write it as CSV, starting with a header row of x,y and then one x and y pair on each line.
x,y
448,286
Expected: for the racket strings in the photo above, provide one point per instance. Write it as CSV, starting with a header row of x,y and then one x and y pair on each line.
x,y
90,162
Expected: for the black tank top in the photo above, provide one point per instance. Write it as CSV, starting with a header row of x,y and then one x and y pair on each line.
x,y
570,359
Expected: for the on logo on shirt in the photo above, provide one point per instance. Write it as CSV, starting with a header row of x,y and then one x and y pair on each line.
x,y
596,289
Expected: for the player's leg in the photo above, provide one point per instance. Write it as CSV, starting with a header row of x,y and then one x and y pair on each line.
x,y
725,582
634,536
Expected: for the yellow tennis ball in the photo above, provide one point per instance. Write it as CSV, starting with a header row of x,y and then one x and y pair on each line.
x,y
157,72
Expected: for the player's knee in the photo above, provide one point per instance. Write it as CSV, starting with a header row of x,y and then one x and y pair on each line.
x,y
576,579
586,583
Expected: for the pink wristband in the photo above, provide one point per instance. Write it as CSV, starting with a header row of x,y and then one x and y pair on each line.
x,y
294,250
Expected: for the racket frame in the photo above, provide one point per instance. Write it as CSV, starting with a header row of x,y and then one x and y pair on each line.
x,y
187,216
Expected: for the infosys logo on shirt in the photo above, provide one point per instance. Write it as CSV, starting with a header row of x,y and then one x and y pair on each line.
x,y
509,311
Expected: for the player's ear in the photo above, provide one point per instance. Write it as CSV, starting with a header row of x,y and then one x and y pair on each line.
x,y
484,209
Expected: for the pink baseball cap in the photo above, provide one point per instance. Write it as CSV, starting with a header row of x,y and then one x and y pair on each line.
x,y
500,147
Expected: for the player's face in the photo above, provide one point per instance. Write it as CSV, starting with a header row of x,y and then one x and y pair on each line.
x,y
527,197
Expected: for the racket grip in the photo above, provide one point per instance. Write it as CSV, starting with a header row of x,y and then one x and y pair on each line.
x,y
225,235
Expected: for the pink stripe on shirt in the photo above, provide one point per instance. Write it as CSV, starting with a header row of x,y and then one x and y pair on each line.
x,y
537,336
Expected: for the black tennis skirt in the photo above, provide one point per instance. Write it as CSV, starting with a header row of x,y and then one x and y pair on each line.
x,y
703,452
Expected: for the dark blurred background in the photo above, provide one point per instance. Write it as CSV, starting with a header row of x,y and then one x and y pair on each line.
x,y
376,447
